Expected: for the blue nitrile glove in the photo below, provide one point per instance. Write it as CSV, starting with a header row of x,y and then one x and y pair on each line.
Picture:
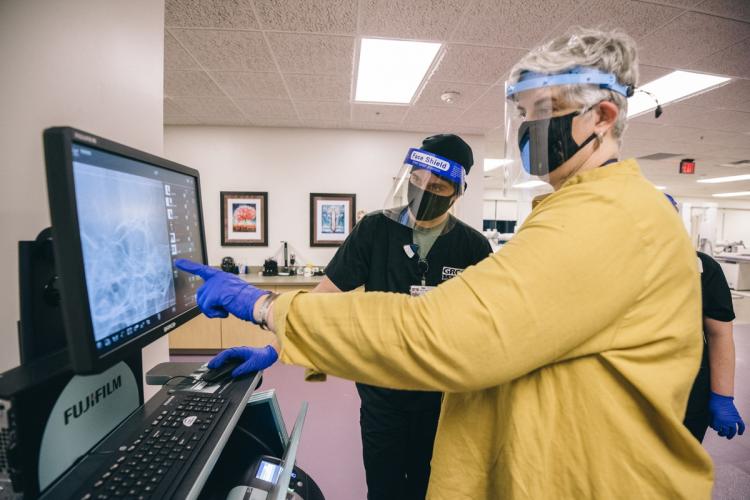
x,y
255,359
725,419
222,292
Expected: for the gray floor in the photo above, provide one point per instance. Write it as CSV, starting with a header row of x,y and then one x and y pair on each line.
x,y
732,457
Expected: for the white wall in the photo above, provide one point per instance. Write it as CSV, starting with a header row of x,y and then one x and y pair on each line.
x,y
292,163
93,64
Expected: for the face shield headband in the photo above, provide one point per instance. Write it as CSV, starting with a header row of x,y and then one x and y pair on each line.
x,y
442,167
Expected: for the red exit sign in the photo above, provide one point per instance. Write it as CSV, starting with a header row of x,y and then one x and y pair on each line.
x,y
687,166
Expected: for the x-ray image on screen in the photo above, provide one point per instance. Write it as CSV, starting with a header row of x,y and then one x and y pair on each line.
x,y
126,247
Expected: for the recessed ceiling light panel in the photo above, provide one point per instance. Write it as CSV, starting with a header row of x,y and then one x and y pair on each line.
x,y
390,71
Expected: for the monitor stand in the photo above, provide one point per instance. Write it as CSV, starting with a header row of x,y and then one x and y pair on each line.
x,y
40,327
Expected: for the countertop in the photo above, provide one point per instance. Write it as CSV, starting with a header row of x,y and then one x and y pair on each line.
x,y
254,279
739,258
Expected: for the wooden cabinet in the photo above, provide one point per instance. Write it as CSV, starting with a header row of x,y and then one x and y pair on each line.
x,y
198,334
203,335
235,332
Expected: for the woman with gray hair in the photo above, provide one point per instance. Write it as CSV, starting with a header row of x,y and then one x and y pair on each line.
x,y
566,358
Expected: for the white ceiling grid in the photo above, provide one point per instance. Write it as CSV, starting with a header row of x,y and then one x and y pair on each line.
x,y
292,63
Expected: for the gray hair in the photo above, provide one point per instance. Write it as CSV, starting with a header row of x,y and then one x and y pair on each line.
x,y
611,51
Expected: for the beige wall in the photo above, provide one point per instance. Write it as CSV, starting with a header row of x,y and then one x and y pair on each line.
x,y
93,64
292,163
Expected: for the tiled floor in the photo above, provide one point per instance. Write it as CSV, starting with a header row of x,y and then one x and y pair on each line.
x,y
331,449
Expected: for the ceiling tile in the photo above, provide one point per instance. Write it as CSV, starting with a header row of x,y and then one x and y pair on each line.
x,y
171,108
635,18
227,50
735,9
320,16
175,57
486,117
312,54
190,84
180,120
691,37
680,113
648,73
326,124
511,23
415,19
323,110
266,108
733,61
210,14
319,87
435,116
274,122
431,93
680,3
460,64
723,119
218,108
258,85
378,113
734,95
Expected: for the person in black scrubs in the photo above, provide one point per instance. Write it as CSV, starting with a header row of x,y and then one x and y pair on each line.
x,y
411,246
711,401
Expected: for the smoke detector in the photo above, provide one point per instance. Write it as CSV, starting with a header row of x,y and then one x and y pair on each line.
x,y
450,96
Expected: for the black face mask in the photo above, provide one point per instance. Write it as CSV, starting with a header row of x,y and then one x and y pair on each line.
x,y
547,144
425,205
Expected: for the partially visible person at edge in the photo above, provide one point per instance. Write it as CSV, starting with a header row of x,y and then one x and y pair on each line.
x,y
580,338
711,401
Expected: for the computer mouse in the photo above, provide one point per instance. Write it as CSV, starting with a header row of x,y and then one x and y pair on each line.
x,y
223,372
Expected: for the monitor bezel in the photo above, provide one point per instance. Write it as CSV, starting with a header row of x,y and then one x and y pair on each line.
x,y
79,332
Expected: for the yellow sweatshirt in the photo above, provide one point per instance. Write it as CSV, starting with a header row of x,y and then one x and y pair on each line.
x,y
566,357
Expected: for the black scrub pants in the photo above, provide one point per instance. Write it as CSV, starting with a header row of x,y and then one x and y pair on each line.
x,y
397,448
697,416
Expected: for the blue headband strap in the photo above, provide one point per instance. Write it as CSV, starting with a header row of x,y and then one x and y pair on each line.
x,y
575,76
438,165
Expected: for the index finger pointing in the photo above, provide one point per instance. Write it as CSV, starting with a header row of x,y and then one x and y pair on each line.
x,y
191,267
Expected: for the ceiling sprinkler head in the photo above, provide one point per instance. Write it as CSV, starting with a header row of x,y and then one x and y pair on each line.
x,y
450,97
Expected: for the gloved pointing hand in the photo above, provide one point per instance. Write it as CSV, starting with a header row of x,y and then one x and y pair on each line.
x,y
256,358
223,293
725,419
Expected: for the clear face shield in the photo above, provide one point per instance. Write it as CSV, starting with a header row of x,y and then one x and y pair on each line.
x,y
540,115
425,189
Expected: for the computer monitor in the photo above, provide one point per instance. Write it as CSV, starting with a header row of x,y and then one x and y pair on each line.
x,y
120,218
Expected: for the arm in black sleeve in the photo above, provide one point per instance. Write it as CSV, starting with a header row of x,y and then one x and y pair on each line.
x,y
350,267
717,298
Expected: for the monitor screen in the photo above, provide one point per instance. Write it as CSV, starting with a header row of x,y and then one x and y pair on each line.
x,y
120,218
135,220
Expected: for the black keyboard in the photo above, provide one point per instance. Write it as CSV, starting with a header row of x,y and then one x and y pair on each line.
x,y
153,461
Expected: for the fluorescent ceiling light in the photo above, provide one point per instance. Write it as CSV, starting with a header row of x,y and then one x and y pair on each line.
x,y
391,70
493,163
731,195
671,87
661,188
731,178
529,184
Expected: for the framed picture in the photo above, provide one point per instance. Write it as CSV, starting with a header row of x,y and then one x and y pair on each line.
x,y
244,219
331,218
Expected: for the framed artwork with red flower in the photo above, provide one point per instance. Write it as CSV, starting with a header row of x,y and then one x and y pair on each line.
x,y
244,218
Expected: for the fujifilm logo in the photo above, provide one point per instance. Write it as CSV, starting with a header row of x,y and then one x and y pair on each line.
x,y
431,161
84,137
92,399
170,326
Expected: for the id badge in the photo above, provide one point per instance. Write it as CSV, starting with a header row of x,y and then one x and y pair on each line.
x,y
419,290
